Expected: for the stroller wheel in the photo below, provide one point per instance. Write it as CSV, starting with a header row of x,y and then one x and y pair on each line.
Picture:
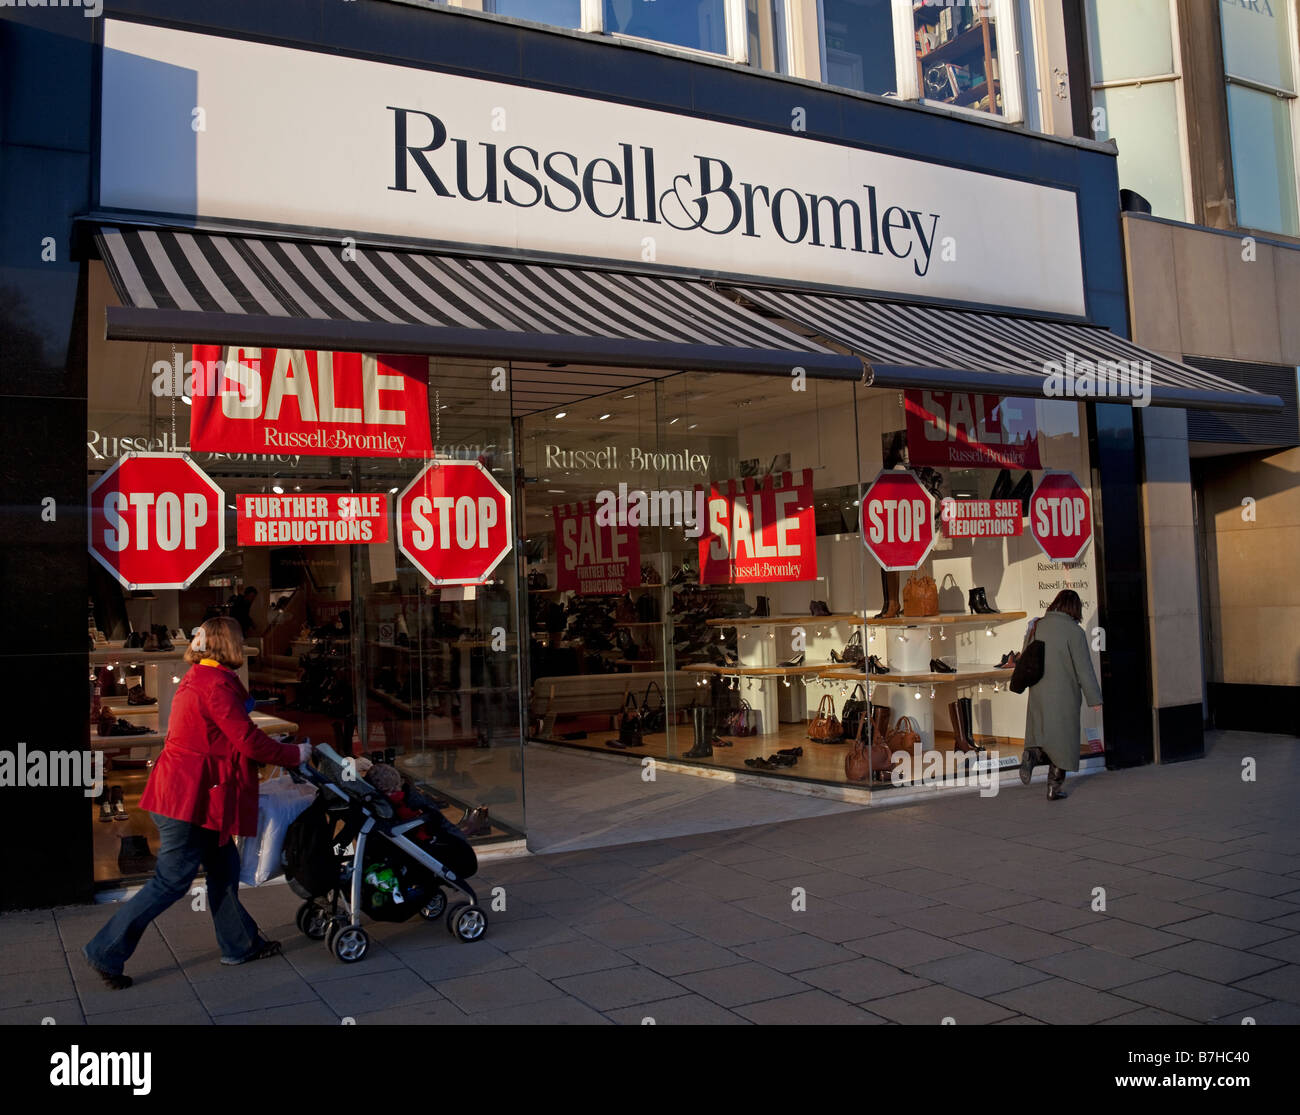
x,y
349,944
466,923
432,910
313,919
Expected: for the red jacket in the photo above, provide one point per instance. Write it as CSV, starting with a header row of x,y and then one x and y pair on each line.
x,y
206,773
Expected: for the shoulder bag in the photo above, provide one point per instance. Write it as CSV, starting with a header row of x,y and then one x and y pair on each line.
x,y
744,721
905,736
629,725
855,709
653,717
1029,667
825,728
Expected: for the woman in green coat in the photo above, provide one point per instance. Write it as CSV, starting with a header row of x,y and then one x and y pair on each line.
x,y
1052,720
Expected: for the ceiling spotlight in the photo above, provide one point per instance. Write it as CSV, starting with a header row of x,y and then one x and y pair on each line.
x,y
671,421
556,491
692,425
232,507
392,491
562,414
602,418
917,694
277,489
187,400
632,396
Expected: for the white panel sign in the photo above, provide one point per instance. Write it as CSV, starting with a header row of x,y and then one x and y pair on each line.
x,y
216,127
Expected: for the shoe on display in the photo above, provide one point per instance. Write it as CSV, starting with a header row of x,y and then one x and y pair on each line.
x,y
106,806
118,803
893,605
979,604
125,728
106,721
759,764
875,666
718,741
818,608
475,822
796,752
135,696
797,660
939,666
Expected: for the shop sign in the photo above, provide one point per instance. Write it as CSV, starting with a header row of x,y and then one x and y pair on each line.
x,y
594,556
453,522
540,171
311,520
982,518
760,531
324,404
156,521
898,520
961,429
1060,516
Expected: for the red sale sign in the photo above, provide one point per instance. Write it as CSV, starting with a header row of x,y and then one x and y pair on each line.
x,y
982,518
334,404
959,429
898,520
594,559
314,520
760,531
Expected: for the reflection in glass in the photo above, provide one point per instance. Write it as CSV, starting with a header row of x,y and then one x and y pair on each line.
x,y
699,24
956,55
1263,164
1257,42
858,37
1129,39
1143,121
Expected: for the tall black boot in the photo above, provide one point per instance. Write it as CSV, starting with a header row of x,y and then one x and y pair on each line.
x,y
893,605
966,712
703,724
1023,491
1032,757
1001,485
1055,783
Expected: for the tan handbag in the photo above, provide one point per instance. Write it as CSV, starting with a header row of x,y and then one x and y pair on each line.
x,y
905,736
920,596
825,728
857,763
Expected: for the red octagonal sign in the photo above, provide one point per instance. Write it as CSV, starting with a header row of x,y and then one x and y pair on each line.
x,y
156,521
897,517
1060,516
453,522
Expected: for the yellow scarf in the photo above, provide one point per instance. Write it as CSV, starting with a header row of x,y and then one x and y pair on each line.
x,y
210,662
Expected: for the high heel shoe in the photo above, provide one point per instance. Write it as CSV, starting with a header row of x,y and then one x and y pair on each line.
x,y
939,666
979,603
875,666
797,660
893,605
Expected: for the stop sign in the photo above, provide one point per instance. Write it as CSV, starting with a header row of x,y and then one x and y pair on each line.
x,y
1060,516
453,522
156,521
897,517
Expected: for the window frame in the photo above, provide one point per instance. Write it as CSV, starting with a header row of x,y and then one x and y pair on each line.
x,y
1291,96
1176,77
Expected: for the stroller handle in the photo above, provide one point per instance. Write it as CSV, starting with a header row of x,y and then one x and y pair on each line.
x,y
331,771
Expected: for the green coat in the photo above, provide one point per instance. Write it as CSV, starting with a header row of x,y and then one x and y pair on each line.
x,y
1052,720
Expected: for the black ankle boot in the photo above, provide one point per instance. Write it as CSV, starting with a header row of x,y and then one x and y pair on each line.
x,y
979,603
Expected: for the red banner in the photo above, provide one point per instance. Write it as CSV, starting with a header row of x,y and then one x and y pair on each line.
x,y
982,518
321,404
959,429
312,520
591,559
760,531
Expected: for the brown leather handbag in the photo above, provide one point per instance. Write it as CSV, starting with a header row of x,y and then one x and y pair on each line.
x,y
920,596
905,736
857,762
825,728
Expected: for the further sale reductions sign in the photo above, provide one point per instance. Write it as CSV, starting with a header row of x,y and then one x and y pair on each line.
x,y
759,531
1060,517
453,522
592,559
961,429
312,520
333,404
898,520
156,521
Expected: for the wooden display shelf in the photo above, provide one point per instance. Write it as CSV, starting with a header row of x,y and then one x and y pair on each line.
x,y
949,620
982,673
781,621
103,656
271,725
754,671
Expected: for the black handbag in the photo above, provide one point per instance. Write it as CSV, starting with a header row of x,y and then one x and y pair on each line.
x,y
855,708
1029,667
653,717
629,723
853,651
537,580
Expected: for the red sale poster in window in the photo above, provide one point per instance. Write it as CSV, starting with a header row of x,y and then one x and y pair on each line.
x,y
960,429
760,530
332,404
592,559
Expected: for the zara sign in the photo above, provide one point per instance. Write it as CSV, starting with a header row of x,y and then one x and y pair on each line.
x,y
442,158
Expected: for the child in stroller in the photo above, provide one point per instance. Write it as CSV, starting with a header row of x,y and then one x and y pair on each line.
x,y
393,856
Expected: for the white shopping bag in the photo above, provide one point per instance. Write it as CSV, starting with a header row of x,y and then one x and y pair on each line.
x,y
279,801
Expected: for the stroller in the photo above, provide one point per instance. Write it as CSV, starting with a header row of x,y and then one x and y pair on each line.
x,y
371,864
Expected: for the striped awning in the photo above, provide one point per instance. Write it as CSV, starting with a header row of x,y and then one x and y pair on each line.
x,y
212,288
911,345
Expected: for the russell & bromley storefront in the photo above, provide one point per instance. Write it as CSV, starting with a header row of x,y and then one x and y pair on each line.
x,y
767,412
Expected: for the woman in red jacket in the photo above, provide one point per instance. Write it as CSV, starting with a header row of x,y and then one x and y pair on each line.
x,y
201,792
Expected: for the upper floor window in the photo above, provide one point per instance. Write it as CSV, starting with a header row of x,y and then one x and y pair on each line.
x,y
1259,62
698,24
858,45
558,13
1137,97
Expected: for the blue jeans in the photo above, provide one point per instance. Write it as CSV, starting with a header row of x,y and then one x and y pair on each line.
x,y
182,849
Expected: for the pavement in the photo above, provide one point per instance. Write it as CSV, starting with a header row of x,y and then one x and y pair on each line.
x,y
1157,895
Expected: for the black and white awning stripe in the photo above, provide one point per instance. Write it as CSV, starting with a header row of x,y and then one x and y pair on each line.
x,y
237,289
931,346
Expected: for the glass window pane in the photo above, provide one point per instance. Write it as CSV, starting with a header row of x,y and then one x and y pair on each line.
x,y
559,13
1129,38
1257,40
700,24
1263,165
957,55
1144,123
859,39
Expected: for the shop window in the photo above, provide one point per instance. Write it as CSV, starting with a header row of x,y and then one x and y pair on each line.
x,y
1260,66
1137,98
346,643
697,24
558,13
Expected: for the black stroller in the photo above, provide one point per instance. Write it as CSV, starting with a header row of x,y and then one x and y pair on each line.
x,y
370,864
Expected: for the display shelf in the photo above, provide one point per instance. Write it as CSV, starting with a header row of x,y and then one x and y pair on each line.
x,y
963,675
271,725
969,41
783,621
754,671
949,620
119,653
